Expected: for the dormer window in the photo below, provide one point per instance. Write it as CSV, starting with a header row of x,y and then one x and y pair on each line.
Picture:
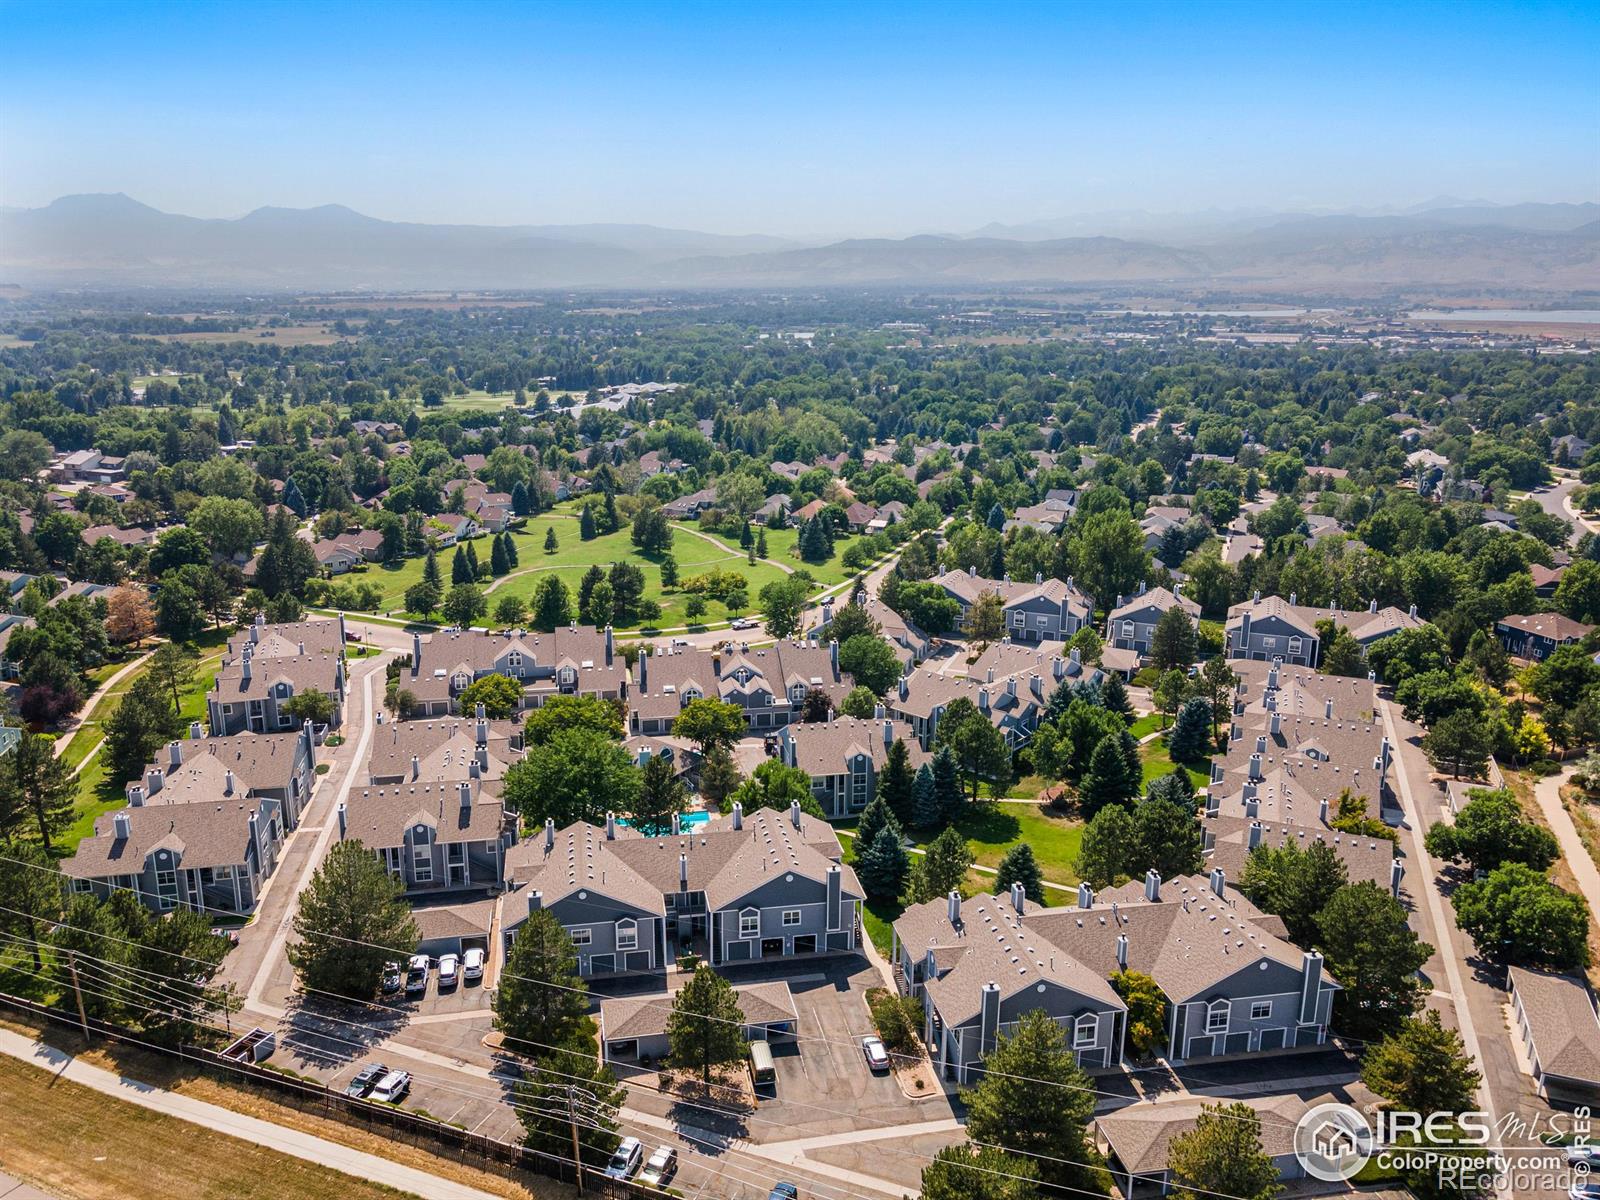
x,y
690,693
1217,1016
514,661
1084,1031
749,923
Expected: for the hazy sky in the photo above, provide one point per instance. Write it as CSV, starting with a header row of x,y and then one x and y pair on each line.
x,y
806,119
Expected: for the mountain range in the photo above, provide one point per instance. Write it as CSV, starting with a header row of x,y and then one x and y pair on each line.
x,y
111,240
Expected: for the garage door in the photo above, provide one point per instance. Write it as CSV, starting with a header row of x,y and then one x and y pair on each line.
x,y
1307,1035
639,960
1238,1043
602,964
1272,1039
1202,1045
806,943
738,951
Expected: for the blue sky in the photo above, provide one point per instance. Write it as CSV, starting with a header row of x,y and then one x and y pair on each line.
x,y
809,120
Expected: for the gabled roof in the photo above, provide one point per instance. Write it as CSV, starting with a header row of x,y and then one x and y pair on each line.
x,y
1562,1023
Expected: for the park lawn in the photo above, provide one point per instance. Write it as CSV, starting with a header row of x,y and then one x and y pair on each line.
x,y
1146,725
1157,762
992,829
74,1141
781,548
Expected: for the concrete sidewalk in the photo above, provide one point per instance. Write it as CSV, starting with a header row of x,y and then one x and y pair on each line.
x,y
15,1189
251,1129
1548,793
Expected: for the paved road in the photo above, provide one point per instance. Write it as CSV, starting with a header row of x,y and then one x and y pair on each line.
x,y
251,1129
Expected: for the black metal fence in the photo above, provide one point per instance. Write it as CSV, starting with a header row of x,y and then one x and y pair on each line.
x,y
511,1160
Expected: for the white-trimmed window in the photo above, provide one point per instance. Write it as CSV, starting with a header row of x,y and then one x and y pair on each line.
x,y
627,934
750,923
1260,1010
1084,1031
791,916
1294,645
82,886
422,862
1269,643
1019,619
581,937
166,889
514,661
1217,1016
1127,629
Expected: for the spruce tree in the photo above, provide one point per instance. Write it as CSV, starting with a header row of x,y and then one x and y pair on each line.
x,y
430,572
924,799
550,543
1114,697
882,865
1108,779
586,524
746,538
460,570
613,522
895,782
1019,865
472,563
512,556
499,564
761,544
1191,732
669,572
876,817
519,498
947,785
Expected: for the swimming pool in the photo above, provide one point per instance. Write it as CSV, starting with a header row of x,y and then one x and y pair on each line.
x,y
688,820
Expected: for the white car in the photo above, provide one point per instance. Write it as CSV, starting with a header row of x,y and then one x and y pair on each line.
x,y
626,1160
417,974
472,964
877,1057
392,1087
662,1166
742,623
449,970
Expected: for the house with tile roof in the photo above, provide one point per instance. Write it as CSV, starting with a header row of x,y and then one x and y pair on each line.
x,y
738,889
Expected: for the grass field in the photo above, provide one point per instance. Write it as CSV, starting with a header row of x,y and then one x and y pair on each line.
x,y
79,1144
1157,762
990,830
696,553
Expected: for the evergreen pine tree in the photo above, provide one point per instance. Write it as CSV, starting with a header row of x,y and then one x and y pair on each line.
x,y
997,518
550,543
669,572
519,498
877,816
512,556
947,785
895,782
430,572
1019,865
613,522
882,865
1114,697
472,563
1191,732
586,524
924,799
761,544
293,500
1108,779
460,571
746,538
499,563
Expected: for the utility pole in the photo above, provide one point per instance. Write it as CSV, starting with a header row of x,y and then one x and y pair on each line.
x,y
572,1122
72,969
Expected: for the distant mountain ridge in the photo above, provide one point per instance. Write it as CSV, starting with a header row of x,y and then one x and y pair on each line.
x,y
114,240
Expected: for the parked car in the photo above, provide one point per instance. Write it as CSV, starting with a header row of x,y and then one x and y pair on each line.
x,y
417,975
784,1190
472,964
663,1165
392,978
626,1160
392,1087
877,1056
679,642
449,971
1585,1189
366,1079
742,623
1585,1153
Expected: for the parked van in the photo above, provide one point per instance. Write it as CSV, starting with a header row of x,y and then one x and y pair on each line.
x,y
762,1069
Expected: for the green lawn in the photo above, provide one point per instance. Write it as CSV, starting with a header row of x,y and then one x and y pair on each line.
x,y
1157,762
781,548
1146,725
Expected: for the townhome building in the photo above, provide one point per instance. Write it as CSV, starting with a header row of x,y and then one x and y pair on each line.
x,y
1273,628
1046,610
1539,635
204,825
1010,683
447,750
578,660
1295,769
267,666
432,836
1232,986
769,684
739,889
1131,624
844,757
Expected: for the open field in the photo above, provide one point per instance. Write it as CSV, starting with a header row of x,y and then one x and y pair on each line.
x,y
1157,762
310,334
80,1144
781,548
694,552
